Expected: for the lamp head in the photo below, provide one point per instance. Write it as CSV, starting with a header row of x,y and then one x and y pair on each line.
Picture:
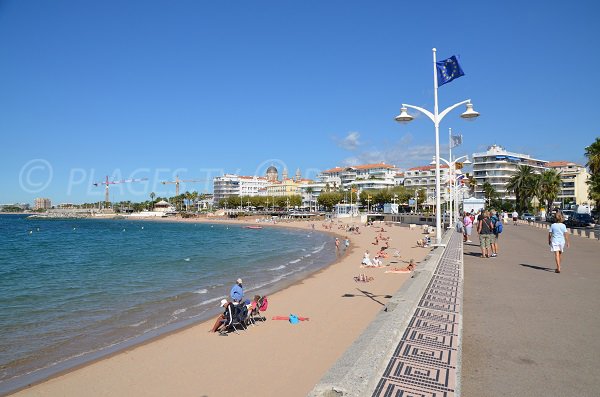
x,y
470,114
467,161
403,117
432,161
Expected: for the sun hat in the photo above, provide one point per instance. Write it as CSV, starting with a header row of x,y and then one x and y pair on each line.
x,y
223,302
239,281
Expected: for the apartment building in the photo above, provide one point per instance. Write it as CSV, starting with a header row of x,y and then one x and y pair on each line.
x,y
497,165
423,177
574,188
236,185
42,203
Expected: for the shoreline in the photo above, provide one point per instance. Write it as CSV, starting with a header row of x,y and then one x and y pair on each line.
x,y
65,366
73,374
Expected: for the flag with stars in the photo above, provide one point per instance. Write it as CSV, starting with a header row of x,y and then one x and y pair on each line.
x,y
455,140
448,70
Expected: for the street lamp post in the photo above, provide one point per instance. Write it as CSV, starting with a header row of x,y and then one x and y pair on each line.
x,y
452,177
436,118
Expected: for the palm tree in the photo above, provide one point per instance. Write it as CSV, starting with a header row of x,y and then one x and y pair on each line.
x,y
152,195
472,182
489,192
549,188
521,183
309,191
592,153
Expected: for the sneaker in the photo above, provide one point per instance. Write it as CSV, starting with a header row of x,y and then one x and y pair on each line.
x,y
494,255
469,241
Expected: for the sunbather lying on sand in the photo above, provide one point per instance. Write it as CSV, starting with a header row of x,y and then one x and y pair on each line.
x,y
409,268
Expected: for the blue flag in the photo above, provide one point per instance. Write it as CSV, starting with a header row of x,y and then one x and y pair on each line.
x,y
448,70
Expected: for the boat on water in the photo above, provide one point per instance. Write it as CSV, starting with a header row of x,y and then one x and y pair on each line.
x,y
253,227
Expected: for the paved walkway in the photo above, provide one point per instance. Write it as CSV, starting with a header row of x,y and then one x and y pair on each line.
x,y
528,331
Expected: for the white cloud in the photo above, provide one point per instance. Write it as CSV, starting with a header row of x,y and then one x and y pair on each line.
x,y
350,142
400,153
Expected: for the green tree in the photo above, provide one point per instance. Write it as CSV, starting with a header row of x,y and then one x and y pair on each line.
x,y
592,153
522,184
152,195
471,182
329,199
489,192
549,187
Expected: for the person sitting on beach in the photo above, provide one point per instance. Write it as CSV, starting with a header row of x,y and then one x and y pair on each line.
x,y
376,241
253,306
237,292
366,259
225,318
424,242
377,261
382,253
363,278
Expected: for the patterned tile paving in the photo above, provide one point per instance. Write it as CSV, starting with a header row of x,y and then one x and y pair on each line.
x,y
424,362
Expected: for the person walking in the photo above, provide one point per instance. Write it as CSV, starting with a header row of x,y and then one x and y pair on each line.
x,y
468,222
515,216
557,237
494,237
484,228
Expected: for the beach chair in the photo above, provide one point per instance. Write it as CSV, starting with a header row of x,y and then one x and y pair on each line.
x,y
238,319
262,305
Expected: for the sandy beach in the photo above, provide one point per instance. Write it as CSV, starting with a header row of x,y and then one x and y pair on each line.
x,y
274,358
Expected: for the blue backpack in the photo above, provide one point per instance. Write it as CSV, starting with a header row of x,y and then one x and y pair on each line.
x,y
498,227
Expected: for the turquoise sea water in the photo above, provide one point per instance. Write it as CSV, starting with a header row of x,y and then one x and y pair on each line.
x,y
73,287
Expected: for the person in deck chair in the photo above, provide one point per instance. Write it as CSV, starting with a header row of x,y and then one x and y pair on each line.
x,y
224,319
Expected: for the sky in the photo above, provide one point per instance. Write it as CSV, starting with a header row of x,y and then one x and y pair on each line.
x,y
153,89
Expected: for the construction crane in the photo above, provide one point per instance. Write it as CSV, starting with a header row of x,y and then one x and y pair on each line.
x,y
177,181
108,183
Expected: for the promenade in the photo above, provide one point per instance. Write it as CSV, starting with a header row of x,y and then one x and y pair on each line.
x,y
528,331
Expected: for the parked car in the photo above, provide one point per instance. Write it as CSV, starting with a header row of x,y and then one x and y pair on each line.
x,y
567,213
579,220
526,216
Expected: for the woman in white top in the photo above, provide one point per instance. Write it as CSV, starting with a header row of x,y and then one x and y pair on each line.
x,y
557,237
366,259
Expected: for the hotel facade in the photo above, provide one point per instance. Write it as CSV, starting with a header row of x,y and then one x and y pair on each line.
x,y
573,177
497,165
423,177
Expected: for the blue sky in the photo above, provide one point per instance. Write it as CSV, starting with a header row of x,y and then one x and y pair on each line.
x,y
153,89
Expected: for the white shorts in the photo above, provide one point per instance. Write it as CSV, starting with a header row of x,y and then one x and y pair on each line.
x,y
557,247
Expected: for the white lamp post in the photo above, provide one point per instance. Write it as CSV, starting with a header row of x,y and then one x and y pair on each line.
x,y
452,178
436,117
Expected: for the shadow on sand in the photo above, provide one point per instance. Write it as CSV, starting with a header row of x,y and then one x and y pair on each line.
x,y
367,294
546,269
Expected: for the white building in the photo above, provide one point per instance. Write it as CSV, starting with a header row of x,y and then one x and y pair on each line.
x,y
235,185
574,187
423,177
361,177
497,165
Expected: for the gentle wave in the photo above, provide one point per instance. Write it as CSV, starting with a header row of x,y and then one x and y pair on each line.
x,y
278,267
295,261
201,291
178,311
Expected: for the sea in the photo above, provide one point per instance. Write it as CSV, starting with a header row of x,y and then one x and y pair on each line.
x,y
73,290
